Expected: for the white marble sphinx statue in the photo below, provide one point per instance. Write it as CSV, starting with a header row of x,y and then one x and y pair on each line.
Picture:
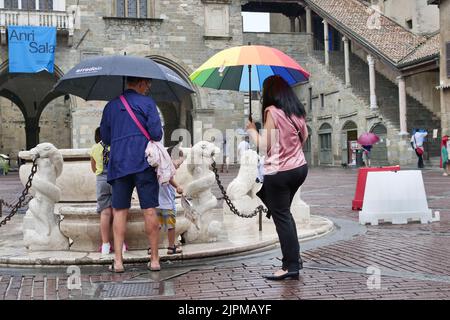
x,y
197,180
242,190
41,225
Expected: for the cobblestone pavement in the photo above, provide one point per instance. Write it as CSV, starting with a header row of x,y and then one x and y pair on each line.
x,y
413,260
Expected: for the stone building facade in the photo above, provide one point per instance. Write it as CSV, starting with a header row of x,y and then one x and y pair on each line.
x,y
361,81
444,80
179,34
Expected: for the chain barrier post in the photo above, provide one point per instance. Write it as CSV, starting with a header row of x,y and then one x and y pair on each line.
x,y
260,220
21,202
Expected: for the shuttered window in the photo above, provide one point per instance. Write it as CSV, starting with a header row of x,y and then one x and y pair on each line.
x,y
133,8
29,4
11,4
46,5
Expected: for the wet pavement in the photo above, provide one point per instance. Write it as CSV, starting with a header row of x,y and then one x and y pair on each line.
x,y
413,260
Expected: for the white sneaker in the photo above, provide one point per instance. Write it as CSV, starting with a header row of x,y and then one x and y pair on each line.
x,y
106,248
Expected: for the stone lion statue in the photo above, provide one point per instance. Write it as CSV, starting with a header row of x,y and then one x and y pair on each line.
x,y
197,180
242,190
41,225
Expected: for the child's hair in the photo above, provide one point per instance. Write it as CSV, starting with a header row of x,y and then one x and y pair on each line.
x,y
98,136
171,149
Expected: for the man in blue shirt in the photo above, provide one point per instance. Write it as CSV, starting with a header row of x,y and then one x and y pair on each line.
x,y
128,168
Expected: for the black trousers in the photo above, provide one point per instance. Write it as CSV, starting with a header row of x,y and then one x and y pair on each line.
x,y
277,193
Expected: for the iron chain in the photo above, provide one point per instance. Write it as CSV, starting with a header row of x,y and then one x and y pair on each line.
x,y
259,209
22,199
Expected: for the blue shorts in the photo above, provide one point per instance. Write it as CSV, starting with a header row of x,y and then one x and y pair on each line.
x,y
147,187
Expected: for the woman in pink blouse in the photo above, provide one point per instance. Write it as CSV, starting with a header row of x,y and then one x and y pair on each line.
x,y
285,167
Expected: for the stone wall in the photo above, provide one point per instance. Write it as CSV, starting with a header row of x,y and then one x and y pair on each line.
x,y
177,35
424,17
444,82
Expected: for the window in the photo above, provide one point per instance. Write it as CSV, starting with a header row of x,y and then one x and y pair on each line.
x,y
28,4
11,4
322,101
46,5
132,8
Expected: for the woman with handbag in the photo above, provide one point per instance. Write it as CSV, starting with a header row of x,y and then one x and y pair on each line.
x,y
285,167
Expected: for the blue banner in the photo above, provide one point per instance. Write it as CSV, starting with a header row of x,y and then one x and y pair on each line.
x,y
31,49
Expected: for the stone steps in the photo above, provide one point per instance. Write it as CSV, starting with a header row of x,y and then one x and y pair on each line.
x,y
418,115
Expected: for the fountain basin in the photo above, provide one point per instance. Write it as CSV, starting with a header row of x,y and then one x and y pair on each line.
x,y
77,181
81,224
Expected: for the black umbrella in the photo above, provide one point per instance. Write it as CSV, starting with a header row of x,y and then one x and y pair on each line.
x,y
103,78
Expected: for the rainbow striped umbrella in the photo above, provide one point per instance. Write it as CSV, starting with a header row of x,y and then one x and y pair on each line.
x,y
245,68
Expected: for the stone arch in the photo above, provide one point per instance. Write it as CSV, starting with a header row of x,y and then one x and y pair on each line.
x,y
5,93
325,127
379,152
176,115
30,92
12,128
349,125
325,144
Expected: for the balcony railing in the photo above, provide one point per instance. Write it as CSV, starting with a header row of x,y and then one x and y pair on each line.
x,y
62,20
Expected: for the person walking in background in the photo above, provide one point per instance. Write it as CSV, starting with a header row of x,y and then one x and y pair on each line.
x,y
99,163
417,140
285,167
4,166
226,155
444,155
366,154
242,147
448,154
128,167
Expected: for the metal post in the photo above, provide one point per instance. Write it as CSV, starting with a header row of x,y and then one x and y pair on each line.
x,y
250,89
260,220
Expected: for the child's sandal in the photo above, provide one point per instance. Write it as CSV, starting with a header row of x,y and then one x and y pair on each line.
x,y
174,250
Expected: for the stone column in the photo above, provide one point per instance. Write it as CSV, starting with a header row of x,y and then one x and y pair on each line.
x,y
308,20
183,116
292,23
402,105
32,132
373,95
347,61
326,44
301,24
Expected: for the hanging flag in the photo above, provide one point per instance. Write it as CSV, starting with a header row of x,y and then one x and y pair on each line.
x,y
31,49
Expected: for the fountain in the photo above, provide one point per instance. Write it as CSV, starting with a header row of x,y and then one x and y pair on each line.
x,y
74,218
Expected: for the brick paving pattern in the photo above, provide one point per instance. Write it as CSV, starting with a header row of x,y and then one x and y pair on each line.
x,y
414,259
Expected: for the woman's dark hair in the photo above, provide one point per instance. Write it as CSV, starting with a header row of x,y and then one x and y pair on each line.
x,y
98,136
278,93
